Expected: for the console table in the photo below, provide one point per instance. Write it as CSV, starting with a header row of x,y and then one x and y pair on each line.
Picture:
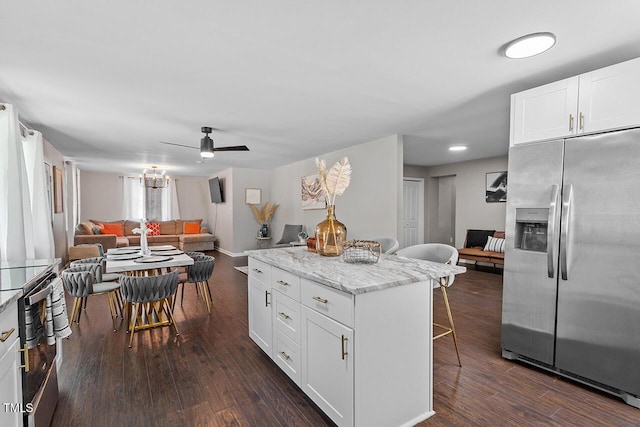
x,y
356,338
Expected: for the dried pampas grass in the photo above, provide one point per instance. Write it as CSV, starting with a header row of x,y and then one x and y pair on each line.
x,y
264,214
336,180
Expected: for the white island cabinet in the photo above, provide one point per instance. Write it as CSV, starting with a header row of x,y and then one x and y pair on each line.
x,y
356,338
10,369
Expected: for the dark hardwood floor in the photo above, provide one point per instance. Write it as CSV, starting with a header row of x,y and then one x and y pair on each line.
x,y
214,375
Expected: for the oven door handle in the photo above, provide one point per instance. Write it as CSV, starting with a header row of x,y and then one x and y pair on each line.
x,y
39,296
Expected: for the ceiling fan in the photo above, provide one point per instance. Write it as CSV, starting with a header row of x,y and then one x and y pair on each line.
x,y
207,149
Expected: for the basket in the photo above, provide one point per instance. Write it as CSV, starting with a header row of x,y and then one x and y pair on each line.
x,y
361,251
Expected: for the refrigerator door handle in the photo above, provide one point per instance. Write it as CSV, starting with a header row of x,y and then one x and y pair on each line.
x,y
551,232
564,234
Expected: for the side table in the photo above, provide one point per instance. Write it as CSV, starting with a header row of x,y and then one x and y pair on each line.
x,y
263,242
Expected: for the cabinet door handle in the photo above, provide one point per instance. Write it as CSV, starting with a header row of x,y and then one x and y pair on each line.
x,y
344,351
284,355
266,298
7,334
570,122
25,349
283,283
581,121
257,270
284,316
322,300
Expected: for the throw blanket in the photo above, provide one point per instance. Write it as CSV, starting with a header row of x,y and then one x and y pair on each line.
x,y
52,312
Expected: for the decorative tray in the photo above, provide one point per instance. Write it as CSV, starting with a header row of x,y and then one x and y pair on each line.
x,y
361,251
150,259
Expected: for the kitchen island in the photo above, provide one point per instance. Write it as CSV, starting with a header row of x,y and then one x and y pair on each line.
x,y
356,338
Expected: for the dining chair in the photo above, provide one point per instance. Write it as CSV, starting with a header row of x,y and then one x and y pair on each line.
x,y
84,280
106,277
389,244
199,273
141,292
445,254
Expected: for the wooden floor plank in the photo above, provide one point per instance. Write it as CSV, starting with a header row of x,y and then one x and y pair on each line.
x,y
214,375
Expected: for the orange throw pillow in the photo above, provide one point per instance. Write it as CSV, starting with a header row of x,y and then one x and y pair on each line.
x,y
116,229
191,228
154,229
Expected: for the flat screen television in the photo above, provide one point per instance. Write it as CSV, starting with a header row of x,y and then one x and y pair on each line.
x,y
216,191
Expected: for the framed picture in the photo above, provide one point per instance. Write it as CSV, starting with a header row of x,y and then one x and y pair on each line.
x,y
496,190
312,195
57,190
252,196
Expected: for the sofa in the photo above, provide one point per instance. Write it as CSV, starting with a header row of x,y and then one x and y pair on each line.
x,y
483,246
188,235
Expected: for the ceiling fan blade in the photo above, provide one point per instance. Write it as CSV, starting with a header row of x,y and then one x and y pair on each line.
x,y
232,148
178,145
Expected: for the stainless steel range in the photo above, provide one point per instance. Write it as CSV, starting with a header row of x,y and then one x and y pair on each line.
x,y
36,279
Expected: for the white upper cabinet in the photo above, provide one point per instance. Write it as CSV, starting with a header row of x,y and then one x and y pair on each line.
x,y
610,98
600,100
544,112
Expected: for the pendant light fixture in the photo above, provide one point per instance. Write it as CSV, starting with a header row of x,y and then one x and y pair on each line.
x,y
155,180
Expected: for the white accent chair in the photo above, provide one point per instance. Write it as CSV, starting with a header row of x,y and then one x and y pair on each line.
x,y
445,254
389,244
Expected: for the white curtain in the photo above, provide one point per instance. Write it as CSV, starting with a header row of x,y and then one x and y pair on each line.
x,y
33,148
16,232
170,206
158,204
133,193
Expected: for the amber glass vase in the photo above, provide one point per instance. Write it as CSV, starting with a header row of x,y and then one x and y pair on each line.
x,y
330,234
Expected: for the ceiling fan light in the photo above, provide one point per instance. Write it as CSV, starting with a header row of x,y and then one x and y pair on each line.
x,y
206,147
530,45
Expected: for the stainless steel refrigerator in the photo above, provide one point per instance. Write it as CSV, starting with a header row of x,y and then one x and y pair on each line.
x,y
571,297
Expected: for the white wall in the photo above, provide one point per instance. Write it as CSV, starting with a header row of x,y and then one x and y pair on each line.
x,y
102,196
245,224
471,209
193,198
220,215
368,208
56,159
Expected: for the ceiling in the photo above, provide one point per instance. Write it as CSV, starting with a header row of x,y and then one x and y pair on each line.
x,y
106,81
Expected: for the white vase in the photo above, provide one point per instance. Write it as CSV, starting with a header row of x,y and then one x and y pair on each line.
x,y
144,247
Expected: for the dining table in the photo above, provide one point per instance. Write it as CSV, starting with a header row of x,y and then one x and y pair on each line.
x,y
160,260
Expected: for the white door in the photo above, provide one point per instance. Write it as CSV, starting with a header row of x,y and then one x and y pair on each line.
x,y
260,329
413,211
327,365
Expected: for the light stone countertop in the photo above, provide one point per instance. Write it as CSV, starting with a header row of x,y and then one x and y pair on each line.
x,y
9,297
389,271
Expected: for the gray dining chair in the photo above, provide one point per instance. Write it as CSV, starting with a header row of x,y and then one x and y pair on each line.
x,y
199,274
106,277
140,291
84,280
445,254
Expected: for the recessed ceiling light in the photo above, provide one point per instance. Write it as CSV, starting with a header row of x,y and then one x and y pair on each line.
x,y
458,148
530,45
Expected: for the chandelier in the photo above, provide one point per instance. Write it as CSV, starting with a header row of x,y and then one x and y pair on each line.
x,y
155,180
